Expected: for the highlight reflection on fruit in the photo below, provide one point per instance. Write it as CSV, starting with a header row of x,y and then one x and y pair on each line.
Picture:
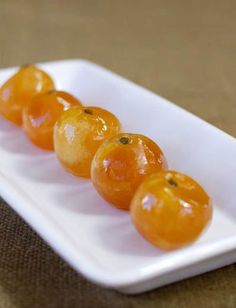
x,y
122,163
170,209
78,134
41,114
18,90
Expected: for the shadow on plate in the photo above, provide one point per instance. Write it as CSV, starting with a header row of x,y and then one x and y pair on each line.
x,y
13,140
47,169
85,200
122,238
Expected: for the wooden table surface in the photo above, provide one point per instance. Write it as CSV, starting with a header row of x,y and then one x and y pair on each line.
x,y
183,50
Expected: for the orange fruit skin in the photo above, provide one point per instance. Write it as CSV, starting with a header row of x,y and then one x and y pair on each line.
x,y
118,169
41,114
17,91
78,134
167,215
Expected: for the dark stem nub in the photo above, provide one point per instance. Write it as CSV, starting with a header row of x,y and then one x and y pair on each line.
x,y
51,91
124,140
25,65
172,183
88,111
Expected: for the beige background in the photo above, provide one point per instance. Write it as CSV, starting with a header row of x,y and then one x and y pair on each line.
x,y
184,50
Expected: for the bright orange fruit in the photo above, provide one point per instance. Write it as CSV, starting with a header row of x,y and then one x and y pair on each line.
x,y
41,114
121,163
17,91
170,209
78,134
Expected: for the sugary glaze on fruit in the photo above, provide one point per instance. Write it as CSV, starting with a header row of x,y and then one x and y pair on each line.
x,y
121,163
78,134
41,114
170,209
18,90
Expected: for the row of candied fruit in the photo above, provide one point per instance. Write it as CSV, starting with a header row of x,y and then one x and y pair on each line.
x,y
130,171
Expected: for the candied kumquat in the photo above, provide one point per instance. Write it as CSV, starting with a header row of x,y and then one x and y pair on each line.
x,y
41,114
121,163
170,209
78,134
17,91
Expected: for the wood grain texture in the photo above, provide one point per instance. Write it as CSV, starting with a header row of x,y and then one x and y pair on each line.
x,y
183,50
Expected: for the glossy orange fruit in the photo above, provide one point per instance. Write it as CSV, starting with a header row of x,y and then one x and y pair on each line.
x,y
41,114
170,209
16,92
78,134
121,163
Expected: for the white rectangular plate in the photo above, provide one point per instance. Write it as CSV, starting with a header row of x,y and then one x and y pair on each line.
x,y
97,240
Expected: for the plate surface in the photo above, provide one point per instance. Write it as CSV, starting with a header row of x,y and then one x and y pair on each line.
x,y
96,239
